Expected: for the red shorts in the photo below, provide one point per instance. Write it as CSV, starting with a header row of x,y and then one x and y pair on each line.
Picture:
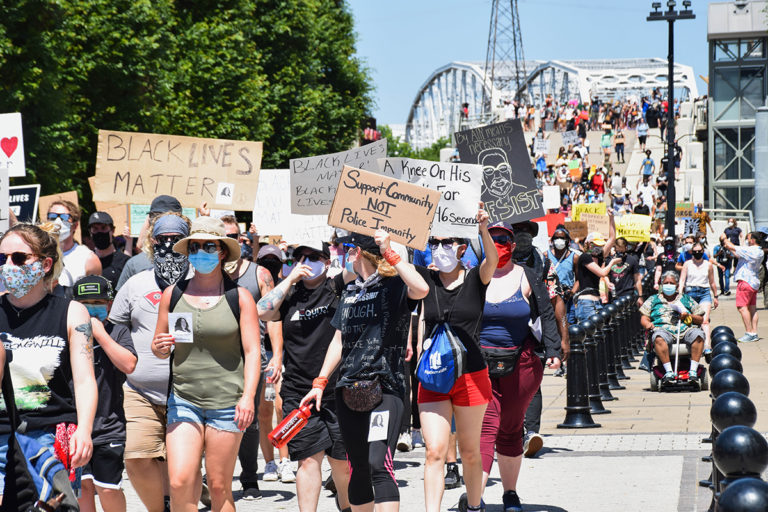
x,y
469,390
745,295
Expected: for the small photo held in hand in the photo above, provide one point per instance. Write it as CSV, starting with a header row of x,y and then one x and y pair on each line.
x,y
180,327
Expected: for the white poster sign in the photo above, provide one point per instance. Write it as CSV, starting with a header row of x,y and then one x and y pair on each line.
x,y
4,197
571,138
541,145
11,146
314,179
551,197
459,186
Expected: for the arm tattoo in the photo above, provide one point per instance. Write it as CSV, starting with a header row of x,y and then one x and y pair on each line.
x,y
87,331
266,278
267,303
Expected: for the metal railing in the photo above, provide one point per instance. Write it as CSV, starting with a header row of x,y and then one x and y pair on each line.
x,y
739,215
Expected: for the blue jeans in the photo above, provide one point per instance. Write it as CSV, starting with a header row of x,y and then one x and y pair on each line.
x,y
586,308
46,438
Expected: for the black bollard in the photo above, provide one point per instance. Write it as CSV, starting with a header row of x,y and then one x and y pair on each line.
x,y
577,406
739,452
593,338
727,348
602,363
722,337
618,345
624,342
744,495
731,409
723,362
638,347
722,328
610,352
728,380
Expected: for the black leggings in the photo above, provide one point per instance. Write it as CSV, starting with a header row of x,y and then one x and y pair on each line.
x,y
371,465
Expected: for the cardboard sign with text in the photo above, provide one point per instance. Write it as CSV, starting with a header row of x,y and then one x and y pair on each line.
x,y
571,138
22,200
314,179
134,168
459,187
577,229
118,212
12,145
634,227
595,222
367,201
45,203
683,210
578,209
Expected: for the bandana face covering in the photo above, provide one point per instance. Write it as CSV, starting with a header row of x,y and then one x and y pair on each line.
x,y
19,280
505,253
170,267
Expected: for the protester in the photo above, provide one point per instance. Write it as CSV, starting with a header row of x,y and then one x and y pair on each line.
x,y
54,383
724,262
748,283
642,133
734,232
697,280
371,352
564,261
102,229
625,274
114,357
648,166
618,141
78,260
703,218
590,268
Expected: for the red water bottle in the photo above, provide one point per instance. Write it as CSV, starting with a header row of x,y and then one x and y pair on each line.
x,y
289,427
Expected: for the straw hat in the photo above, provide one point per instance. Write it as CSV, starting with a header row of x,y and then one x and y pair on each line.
x,y
209,228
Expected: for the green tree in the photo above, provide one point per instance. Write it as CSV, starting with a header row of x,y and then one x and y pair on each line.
x,y
401,148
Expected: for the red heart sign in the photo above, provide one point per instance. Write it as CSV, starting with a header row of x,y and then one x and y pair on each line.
x,y
9,145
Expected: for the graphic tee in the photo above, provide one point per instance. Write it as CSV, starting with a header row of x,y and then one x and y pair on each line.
x,y
109,423
623,275
41,372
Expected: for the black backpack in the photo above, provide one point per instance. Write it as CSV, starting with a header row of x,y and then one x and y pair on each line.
x,y
230,293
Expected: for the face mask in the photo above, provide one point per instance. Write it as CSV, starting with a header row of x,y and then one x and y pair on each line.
x,y
505,253
348,267
445,258
65,228
101,240
97,311
170,267
318,267
698,255
559,244
19,280
204,262
669,289
596,251
287,269
273,266
687,247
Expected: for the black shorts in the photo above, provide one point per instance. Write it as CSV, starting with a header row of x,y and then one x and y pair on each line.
x,y
642,138
106,465
320,434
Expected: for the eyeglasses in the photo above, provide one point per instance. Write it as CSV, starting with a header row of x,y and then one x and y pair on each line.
x,y
63,216
502,239
18,258
168,239
209,247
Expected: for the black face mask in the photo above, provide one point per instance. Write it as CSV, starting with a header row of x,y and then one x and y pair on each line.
x,y
273,266
101,240
698,254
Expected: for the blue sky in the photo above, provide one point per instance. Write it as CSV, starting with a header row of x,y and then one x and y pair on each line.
x,y
403,42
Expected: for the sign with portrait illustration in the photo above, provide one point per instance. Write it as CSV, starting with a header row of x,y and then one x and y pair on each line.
x,y
509,189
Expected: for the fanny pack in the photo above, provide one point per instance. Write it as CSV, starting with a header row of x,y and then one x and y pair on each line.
x,y
362,395
501,361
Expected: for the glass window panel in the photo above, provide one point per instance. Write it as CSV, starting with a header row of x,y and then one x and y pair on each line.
x,y
720,201
753,49
723,93
752,84
747,197
726,50
726,168
732,195
748,154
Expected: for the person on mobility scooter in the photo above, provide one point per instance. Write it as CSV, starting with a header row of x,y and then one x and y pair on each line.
x,y
673,320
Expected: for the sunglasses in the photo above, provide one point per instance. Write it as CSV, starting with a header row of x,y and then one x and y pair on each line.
x,y
434,243
502,239
209,247
234,236
18,258
165,239
313,257
62,216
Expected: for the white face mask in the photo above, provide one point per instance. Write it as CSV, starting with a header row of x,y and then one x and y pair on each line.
x,y
65,228
445,259
318,267
559,244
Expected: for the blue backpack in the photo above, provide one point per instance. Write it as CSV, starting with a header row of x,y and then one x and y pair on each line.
x,y
443,359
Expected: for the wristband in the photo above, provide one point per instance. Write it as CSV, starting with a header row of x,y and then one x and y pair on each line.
x,y
391,257
320,383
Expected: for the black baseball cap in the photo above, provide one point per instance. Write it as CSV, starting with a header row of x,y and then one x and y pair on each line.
x,y
365,242
100,218
92,288
165,203
503,225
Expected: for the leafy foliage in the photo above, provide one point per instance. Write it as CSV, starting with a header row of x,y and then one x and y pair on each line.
x,y
401,148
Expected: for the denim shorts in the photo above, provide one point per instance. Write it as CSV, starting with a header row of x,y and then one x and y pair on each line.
x,y
586,308
179,410
45,438
699,294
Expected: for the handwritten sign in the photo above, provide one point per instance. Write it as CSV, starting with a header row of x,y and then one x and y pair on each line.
x,y
541,145
551,196
578,209
596,222
314,179
577,229
367,201
272,211
571,138
44,204
134,168
118,212
509,189
683,210
11,145
22,200
634,227
459,187
137,214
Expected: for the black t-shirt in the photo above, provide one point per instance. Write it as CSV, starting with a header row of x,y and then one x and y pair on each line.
x,y
40,369
623,275
462,307
112,266
109,423
642,209
733,235
307,331
585,277
374,331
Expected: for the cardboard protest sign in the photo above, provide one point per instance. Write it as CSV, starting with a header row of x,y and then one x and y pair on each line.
x,y
137,214
551,197
541,145
134,168
314,179
552,220
634,227
272,211
459,187
367,201
22,200
118,212
45,202
571,138
577,229
12,145
509,190
578,209
596,222
683,210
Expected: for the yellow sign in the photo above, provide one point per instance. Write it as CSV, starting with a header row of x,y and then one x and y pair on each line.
x,y
634,227
578,209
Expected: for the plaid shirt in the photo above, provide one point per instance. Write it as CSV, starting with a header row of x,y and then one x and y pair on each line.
x,y
662,314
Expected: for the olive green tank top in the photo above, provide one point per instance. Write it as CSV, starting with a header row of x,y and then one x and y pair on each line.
x,y
209,371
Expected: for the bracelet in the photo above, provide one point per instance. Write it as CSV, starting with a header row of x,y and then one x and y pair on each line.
x,y
320,383
391,257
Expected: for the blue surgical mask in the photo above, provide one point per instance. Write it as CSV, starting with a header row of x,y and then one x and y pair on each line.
x,y
204,262
348,266
669,289
97,311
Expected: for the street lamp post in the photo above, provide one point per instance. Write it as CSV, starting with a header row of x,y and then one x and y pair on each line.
x,y
670,16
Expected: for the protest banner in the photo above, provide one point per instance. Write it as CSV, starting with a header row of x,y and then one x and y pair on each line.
x,y
571,138
578,209
596,222
577,229
138,213
22,200
552,220
459,187
691,226
541,145
509,189
551,197
44,203
367,201
683,210
314,179
634,227
272,211
118,212
134,168
12,145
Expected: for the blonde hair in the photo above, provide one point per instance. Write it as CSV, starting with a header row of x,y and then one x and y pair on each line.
x,y
384,268
148,248
43,239
74,210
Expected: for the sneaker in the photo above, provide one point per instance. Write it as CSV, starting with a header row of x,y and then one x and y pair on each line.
x,y
452,476
287,476
464,504
668,377
404,443
748,338
512,502
532,443
560,372
270,472
251,491
694,381
418,440
205,495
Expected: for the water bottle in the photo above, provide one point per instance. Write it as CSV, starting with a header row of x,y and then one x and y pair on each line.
x,y
289,427
269,391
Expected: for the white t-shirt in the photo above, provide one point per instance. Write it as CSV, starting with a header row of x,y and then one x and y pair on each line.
x,y
748,266
74,263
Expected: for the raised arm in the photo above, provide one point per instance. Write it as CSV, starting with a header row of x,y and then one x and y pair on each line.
x,y
123,359
417,286
611,234
491,260
268,306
